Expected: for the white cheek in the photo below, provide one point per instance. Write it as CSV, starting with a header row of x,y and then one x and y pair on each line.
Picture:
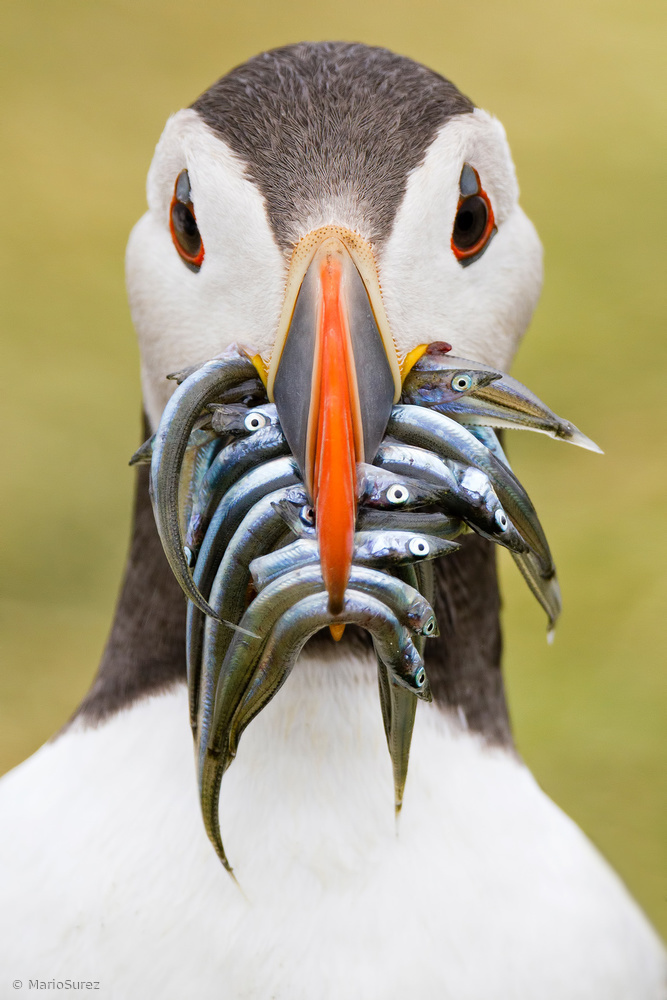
x,y
184,317
483,309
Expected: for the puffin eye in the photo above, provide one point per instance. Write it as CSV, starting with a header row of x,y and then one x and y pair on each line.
x,y
183,224
474,224
397,494
255,421
461,382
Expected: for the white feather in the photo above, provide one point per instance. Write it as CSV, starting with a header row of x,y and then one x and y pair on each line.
x,y
487,890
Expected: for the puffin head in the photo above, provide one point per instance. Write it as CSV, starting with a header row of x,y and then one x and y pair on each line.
x,y
334,208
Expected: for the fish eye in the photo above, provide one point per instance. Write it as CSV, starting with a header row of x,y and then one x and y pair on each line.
x,y
429,627
255,421
461,382
418,546
183,224
500,517
420,677
398,494
307,515
474,224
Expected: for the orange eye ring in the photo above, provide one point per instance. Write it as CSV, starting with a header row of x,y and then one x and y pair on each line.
x,y
183,224
474,223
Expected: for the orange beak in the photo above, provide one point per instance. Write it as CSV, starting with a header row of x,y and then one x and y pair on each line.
x,y
334,386
336,455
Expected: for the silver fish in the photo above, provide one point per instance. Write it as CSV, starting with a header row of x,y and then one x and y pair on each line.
x,y
266,569
230,464
393,548
449,439
202,448
490,519
392,644
546,591
410,607
384,490
489,439
398,716
471,393
258,530
429,383
235,504
482,511
302,522
250,392
171,440
230,513
376,549
438,387
290,634
440,525
233,418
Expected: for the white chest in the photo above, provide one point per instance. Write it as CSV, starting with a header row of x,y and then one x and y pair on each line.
x,y
486,890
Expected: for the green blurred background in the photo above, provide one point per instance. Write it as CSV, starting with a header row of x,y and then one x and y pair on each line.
x,y
86,88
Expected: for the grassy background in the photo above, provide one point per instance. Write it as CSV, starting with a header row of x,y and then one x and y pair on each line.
x,y
86,87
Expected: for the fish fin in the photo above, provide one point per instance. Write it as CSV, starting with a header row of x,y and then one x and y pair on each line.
x,y
144,453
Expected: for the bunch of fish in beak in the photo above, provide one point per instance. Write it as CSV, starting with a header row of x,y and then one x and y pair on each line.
x,y
240,533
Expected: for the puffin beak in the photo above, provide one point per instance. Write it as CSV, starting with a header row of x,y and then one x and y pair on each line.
x,y
334,377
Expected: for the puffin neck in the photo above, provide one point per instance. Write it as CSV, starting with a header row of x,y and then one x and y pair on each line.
x,y
145,651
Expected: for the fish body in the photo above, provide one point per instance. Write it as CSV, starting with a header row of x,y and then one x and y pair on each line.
x,y
449,439
249,392
202,448
376,549
546,590
235,418
471,392
229,465
407,604
235,504
399,707
233,508
392,641
440,525
292,631
428,386
386,490
420,463
258,530
489,439
481,510
171,440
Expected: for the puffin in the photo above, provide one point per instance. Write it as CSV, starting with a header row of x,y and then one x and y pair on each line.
x,y
484,888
